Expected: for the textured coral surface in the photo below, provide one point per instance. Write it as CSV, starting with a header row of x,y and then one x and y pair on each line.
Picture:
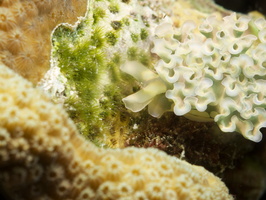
x,y
43,157
25,29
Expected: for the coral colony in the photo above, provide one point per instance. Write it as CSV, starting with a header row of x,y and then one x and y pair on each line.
x,y
42,156
213,71
25,29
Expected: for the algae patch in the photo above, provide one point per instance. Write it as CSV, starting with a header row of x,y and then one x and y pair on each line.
x,y
89,55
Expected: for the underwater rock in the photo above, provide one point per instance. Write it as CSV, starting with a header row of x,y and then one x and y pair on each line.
x,y
196,142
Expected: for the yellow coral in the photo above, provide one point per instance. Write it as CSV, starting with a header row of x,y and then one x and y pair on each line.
x,y
43,157
23,27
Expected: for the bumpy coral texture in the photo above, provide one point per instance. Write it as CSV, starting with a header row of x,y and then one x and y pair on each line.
x,y
25,28
43,157
214,71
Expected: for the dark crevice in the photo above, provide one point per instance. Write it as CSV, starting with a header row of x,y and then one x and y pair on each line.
x,y
243,6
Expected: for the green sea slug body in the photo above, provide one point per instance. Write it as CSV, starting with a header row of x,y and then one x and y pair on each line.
x,y
215,71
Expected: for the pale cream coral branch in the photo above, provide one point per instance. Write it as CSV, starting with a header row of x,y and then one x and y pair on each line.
x,y
42,156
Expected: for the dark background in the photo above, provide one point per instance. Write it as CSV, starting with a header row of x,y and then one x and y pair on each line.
x,y
244,6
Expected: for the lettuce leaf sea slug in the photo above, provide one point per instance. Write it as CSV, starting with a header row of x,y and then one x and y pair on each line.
x,y
212,71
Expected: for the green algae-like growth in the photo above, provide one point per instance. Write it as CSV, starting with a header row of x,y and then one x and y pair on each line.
x,y
89,56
